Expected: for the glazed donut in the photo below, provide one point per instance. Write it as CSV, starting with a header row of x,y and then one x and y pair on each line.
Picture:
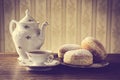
x,y
95,47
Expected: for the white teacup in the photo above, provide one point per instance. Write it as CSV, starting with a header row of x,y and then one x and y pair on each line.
x,y
40,57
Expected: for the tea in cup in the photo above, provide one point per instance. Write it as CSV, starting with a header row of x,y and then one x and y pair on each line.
x,y
38,57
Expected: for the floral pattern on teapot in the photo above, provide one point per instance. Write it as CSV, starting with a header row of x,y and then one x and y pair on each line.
x,y
27,35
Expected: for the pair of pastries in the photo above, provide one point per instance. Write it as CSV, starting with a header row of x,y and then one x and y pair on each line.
x,y
90,51
73,54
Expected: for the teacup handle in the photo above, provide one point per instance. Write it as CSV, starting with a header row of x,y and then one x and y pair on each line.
x,y
50,58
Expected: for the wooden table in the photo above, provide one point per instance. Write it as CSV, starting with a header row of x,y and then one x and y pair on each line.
x,y
11,70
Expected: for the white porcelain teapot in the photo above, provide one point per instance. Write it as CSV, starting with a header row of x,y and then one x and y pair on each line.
x,y
27,35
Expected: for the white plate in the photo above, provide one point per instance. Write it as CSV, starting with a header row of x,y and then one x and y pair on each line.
x,y
94,65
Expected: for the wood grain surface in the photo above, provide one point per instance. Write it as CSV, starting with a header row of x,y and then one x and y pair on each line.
x,y
11,70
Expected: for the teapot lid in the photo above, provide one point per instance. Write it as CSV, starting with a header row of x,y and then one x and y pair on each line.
x,y
28,17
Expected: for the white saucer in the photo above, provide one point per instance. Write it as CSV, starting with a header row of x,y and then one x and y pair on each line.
x,y
28,63
32,69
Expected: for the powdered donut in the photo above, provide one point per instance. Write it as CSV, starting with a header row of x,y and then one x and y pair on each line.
x,y
67,47
78,57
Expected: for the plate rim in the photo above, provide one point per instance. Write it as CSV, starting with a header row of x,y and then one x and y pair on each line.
x,y
104,63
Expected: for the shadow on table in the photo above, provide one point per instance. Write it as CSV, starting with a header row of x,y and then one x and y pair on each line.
x,y
61,69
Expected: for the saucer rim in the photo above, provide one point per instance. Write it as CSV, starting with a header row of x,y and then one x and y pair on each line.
x,y
28,65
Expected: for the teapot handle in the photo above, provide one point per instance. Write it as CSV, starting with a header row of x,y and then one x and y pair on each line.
x,y
11,26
